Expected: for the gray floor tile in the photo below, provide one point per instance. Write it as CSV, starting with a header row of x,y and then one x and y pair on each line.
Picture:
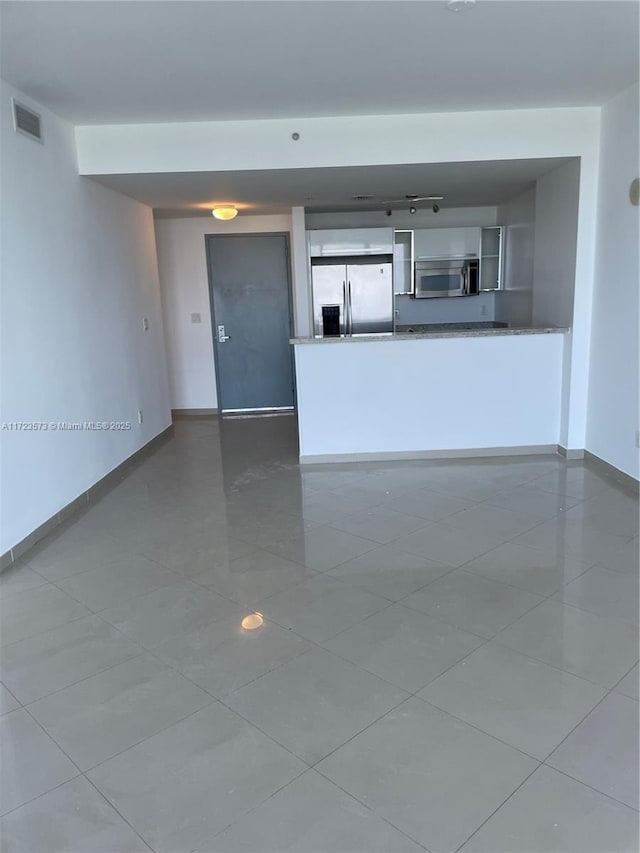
x,y
609,594
190,781
600,650
432,776
104,715
320,608
253,577
533,569
8,702
169,611
389,572
73,818
222,656
611,512
311,815
39,665
602,751
314,703
473,603
587,543
498,522
551,813
322,548
192,556
425,503
75,549
578,482
629,684
622,558
323,508
381,524
28,613
31,762
19,578
448,544
521,701
533,501
116,583
405,647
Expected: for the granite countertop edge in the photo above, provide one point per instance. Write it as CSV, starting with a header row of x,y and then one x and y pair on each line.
x,y
412,336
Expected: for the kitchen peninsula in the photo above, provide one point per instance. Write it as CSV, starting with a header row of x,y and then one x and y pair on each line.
x,y
436,393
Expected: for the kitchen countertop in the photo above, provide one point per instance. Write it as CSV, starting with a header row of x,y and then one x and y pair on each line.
x,y
436,330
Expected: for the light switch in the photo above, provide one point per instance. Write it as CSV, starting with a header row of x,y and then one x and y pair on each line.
x,y
145,324
196,318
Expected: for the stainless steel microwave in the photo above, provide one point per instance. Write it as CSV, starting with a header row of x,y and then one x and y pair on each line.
x,y
445,277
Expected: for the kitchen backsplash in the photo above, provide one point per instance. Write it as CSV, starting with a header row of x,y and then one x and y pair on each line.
x,y
457,309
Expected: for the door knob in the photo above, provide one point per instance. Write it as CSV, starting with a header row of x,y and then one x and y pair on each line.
x,y
221,335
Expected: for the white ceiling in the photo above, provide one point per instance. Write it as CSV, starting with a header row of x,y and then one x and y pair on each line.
x,y
260,192
105,62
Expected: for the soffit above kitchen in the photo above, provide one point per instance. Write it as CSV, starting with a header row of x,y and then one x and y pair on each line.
x,y
140,62
467,184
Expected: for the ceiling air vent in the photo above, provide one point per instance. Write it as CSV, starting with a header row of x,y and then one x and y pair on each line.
x,y
26,121
361,197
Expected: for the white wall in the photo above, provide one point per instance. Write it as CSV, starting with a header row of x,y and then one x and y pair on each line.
x,y
480,308
554,254
184,285
613,387
448,217
79,274
429,394
518,216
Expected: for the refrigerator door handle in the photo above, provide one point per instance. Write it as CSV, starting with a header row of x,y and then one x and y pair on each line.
x,y
345,308
349,311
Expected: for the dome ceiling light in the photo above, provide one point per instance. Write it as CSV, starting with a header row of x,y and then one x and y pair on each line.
x,y
225,212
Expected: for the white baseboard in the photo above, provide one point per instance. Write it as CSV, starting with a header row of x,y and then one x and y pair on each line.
x,y
399,455
570,452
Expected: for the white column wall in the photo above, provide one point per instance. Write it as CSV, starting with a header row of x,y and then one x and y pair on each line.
x,y
613,412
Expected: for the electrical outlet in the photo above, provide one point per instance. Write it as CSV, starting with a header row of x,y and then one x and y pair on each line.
x,y
145,324
483,310
139,416
196,318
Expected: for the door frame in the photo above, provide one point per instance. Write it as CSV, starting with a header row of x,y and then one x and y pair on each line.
x,y
209,240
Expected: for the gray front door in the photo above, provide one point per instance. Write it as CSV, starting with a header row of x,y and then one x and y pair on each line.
x,y
249,287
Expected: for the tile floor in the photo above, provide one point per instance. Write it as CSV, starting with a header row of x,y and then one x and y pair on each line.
x,y
448,660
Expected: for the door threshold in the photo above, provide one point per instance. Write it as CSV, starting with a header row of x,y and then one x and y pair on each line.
x,y
267,412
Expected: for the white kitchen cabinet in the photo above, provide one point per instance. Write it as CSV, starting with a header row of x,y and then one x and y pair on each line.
x,y
350,241
446,242
491,258
403,262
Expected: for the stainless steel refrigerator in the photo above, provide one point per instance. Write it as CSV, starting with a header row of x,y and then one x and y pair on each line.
x,y
360,289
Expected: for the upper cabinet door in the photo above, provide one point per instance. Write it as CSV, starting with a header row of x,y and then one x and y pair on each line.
x,y
446,242
350,241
